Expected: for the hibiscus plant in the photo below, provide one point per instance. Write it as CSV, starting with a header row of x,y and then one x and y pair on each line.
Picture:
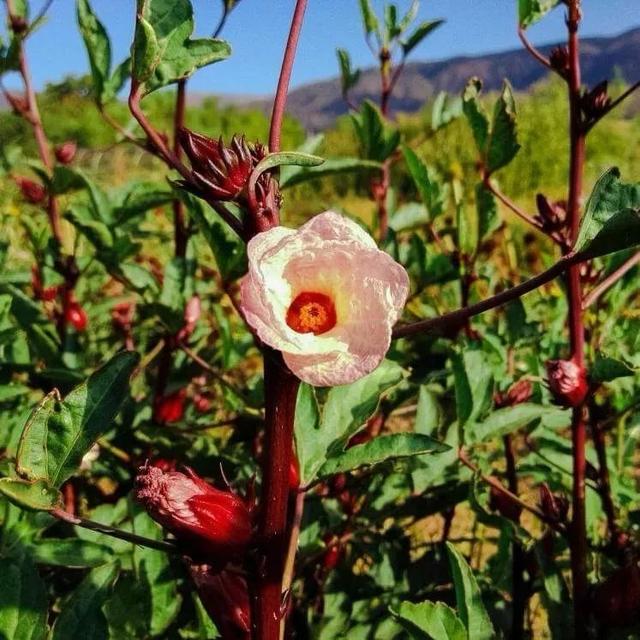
x,y
219,420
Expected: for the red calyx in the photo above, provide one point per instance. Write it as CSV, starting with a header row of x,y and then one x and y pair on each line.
x,y
66,152
294,474
517,393
554,506
210,521
333,555
225,596
170,408
567,382
31,191
76,316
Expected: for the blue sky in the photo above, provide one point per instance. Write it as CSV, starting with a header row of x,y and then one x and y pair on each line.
x,y
257,29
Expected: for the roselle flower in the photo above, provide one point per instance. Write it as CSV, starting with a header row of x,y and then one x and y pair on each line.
x,y
325,296
225,596
31,191
76,316
220,171
170,408
517,393
66,152
206,519
567,382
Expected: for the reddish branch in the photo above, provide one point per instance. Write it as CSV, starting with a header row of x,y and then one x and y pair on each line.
x,y
280,101
610,280
579,542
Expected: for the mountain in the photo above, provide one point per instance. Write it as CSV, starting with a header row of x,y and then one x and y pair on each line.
x,y
317,105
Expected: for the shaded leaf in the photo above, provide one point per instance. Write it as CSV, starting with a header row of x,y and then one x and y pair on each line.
x,y
530,11
420,33
606,369
475,114
434,620
70,552
36,495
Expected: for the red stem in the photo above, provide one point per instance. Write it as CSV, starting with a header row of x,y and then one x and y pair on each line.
x,y
579,542
280,101
180,229
281,388
610,280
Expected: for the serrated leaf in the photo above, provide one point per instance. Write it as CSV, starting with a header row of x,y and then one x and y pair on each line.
x,y
510,419
163,51
611,221
36,495
475,114
530,11
378,138
420,33
381,449
606,369
430,620
54,442
432,193
503,141
23,600
445,109
469,603
81,616
346,410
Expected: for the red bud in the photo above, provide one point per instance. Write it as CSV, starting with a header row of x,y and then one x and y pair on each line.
x,y
170,408
225,596
211,521
201,403
333,555
66,152
294,474
517,393
164,464
567,382
122,315
500,502
31,191
76,316
554,506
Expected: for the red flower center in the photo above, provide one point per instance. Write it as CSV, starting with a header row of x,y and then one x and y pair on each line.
x,y
312,312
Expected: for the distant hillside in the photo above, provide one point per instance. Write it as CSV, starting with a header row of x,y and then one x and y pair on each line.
x,y
317,105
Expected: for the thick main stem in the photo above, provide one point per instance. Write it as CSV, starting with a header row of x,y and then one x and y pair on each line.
x,y
579,543
179,226
281,388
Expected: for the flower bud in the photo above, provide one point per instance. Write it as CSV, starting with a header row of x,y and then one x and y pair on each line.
x,y
201,403
220,171
332,556
169,408
294,474
616,601
66,152
18,24
567,382
31,191
554,506
551,215
122,315
76,316
517,393
225,596
595,103
192,310
19,104
208,520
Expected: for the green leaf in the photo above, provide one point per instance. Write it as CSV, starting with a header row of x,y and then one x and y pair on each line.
x,y
475,114
153,569
430,620
378,138
606,369
432,194
23,600
81,617
510,419
428,412
611,221
369,19
487,208
445,109
70,552
98,47
228,249
348,407
409,216
163,51
420,33
381,449
287,158
530,11
59,433
331,166
473,384
36,495
348,76
503,142
471,609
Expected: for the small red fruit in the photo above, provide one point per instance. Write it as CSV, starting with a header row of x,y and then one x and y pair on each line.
x,y
170,408
66,152
31,191
76,316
